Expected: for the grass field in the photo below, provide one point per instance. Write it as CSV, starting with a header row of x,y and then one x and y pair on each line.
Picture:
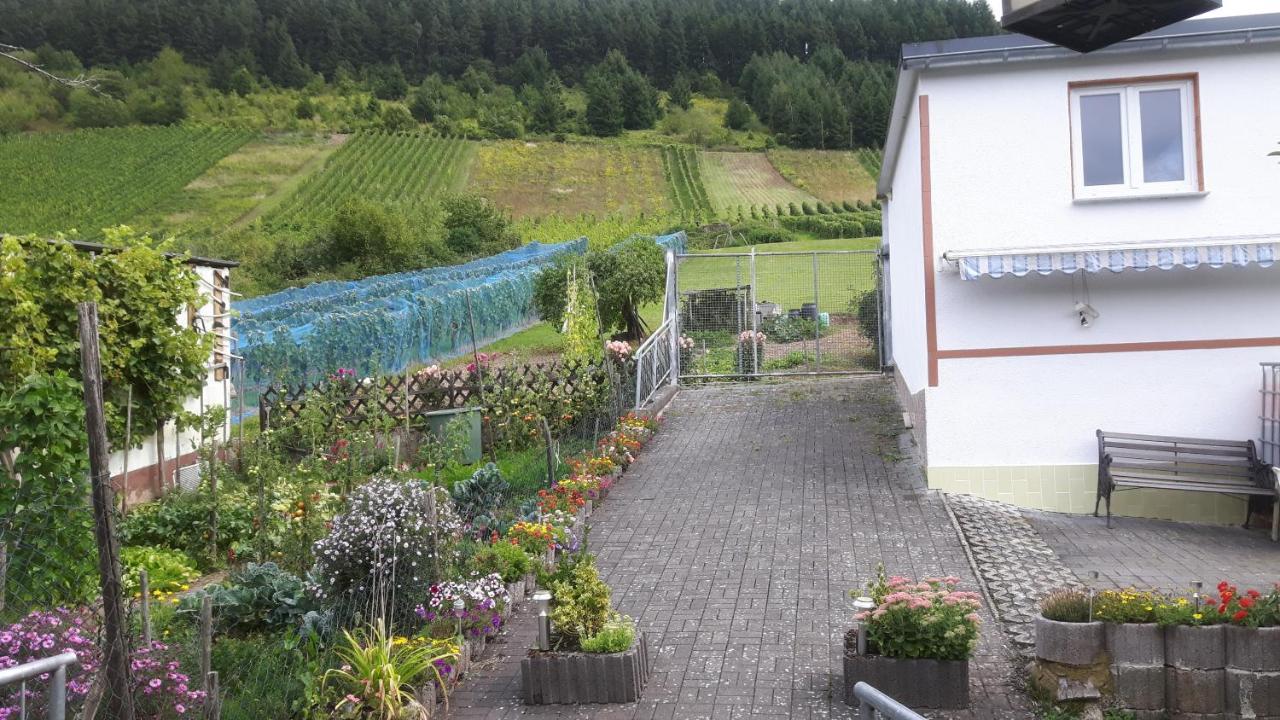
x,y
237,188
91,179
570,179
407,170
736,180
830,175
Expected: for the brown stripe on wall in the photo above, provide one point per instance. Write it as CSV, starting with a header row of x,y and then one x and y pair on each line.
x,y
1037,350
926,209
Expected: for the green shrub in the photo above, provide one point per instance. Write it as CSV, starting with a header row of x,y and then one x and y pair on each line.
x,y
168,570
256,597
787,329
502,558
180,520
581,605
823,209
764,235
617,635
794,210
807,208
848,206
479,496
871,224
1066,605
793,359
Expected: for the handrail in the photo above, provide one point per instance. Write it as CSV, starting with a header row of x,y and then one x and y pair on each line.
x,y
872,702
651,340
57,685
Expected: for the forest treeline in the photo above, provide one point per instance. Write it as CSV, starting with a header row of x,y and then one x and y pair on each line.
x,y
817,73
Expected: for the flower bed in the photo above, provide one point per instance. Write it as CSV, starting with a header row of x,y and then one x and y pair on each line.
x,y
1216,655
916,642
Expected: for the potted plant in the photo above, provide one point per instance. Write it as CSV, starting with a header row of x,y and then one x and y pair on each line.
x,y
916,641
594,655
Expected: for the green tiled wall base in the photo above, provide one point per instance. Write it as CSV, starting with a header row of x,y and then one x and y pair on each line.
x,y
1071,489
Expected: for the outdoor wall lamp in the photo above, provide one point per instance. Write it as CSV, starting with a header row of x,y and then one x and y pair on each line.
x,y
543,598
1086,313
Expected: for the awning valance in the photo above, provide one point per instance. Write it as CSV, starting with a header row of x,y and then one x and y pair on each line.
x,y
1116,258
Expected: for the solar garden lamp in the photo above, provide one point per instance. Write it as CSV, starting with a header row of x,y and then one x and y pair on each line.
x,y
543,598
1093,589
862,604
1196,587
459,609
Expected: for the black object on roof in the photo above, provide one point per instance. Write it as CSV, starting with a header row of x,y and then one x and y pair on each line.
x,y
1088,25
90,247
1231,30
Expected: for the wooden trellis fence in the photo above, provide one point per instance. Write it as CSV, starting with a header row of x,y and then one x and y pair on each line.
x,y
445,390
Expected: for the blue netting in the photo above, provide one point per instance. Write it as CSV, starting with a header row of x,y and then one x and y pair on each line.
x,y
387,322
676,241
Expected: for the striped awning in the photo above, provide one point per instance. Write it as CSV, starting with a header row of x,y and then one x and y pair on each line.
x,y
1115,258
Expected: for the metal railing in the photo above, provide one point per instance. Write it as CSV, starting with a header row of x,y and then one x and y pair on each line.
x,y
57,667
654,364
874,704
1269,437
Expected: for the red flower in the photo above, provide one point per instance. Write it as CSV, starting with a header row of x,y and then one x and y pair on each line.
x,y
1246,603
1240,615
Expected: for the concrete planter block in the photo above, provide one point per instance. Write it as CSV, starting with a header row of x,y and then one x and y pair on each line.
x,y
916,683
1253,672
1138,687
1136,644
1196,648
1192,692
530,583
476,647
463,665
1253,695
1256,649
516,591
550,678
1077,644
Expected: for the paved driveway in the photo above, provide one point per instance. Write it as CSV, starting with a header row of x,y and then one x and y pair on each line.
x,y
734,540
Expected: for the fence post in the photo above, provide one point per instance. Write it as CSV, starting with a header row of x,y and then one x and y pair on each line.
x,y
206,640
551,458
116,656
817,318
671,310
213,697
755,355
144,585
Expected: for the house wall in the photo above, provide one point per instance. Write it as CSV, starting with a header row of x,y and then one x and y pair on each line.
x,y
145,480
1021,428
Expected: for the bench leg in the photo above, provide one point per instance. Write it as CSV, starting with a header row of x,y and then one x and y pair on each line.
x,y
1095,504
1108,511
1275,521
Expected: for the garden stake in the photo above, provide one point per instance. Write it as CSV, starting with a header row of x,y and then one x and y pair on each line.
x,y
551,461
206,640
212,701
128,443
1093,582
144,585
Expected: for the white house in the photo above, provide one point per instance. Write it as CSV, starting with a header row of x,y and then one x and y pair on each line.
x,y
1079,242
168,457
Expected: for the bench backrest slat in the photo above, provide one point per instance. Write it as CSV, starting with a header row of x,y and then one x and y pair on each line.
x,y
1174,439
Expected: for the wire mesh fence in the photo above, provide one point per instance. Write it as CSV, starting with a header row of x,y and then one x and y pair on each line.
x,y
758,314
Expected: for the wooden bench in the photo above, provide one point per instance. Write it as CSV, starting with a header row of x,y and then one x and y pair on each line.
x,y
1127,461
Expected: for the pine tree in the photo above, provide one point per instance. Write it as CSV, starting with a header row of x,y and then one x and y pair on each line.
x,y
604,104
681,93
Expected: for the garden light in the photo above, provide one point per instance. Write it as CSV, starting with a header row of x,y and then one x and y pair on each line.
x,y
862,604
543,598
1197,586
459,609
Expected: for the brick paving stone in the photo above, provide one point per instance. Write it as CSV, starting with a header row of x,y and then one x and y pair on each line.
x,y
1159,554
733,541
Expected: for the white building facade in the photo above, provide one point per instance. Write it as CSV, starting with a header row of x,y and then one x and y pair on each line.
x,y
1079,243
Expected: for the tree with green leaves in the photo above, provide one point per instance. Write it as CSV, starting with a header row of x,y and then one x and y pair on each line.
x,y
681,92
737,116
627,277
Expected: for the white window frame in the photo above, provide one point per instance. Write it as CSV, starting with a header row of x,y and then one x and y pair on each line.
x,y
1131,138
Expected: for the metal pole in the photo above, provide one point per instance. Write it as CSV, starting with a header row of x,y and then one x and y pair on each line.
x,y
128,445
116,660
672,312
878,288
144,586
58,694
817,317
755,317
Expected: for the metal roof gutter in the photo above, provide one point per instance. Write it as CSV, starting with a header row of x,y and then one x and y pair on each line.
x,y
912,65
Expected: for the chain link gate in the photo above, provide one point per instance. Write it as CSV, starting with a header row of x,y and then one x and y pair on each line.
x,y
744,315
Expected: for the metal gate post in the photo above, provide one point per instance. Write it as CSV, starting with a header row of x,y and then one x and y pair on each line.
x,y
878,289
817,317
671,310
755,354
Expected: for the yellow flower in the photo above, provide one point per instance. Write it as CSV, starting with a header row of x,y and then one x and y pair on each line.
x,y
188,587
1197,616
1182,601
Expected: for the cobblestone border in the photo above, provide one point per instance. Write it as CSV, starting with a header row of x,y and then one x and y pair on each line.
x,y
1012,563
